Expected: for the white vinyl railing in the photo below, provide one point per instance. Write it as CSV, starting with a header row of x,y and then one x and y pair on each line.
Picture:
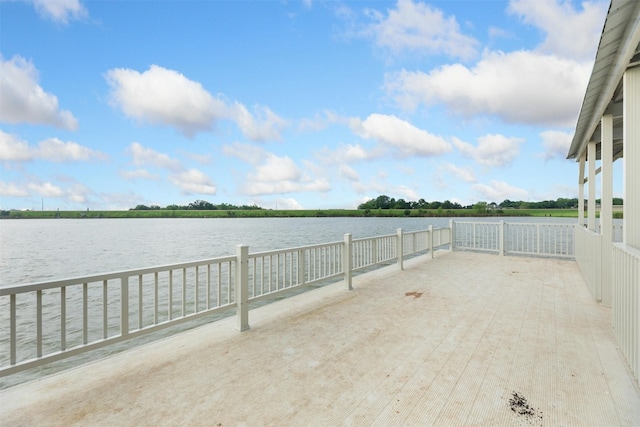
x,y
555,240
49,321
588,256
626,303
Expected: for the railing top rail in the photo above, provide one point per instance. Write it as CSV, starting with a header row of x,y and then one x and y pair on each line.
x,y
364,239
294,249
39,286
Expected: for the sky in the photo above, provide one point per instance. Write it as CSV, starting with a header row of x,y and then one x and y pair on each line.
x,y
105,105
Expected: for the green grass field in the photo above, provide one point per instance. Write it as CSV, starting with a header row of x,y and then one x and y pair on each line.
x,y
565,213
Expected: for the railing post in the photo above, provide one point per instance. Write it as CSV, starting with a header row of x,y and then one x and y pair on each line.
x,y
242,287
400,248
451,234
431,240
301,268
346,260
501,238
124,306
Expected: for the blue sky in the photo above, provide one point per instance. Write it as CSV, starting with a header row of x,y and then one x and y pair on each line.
x,y
294,104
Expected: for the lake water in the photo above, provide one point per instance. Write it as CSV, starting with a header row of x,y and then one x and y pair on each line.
x,y
39,250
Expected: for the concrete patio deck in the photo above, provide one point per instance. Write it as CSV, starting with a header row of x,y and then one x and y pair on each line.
x,y
465,339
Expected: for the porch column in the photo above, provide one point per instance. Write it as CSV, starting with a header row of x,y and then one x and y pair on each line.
x,y
606,205
591,204
631,140
583,159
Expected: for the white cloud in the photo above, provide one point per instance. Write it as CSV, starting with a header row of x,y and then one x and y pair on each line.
x,y
55,150
570,33
349,153
276,168
193,181
498,191
162,96
46,189
401,135
60,11
519,87
463,173
147,156
14,149
419,27
24,101
349,173
52,150
264,125
245,152
167,97
492,149
138,174
284,187
321,121
556,144
9,189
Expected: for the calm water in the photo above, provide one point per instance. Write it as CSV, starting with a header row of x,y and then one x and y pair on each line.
x,y
39,250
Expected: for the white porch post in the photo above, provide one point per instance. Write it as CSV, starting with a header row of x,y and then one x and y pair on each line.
x,y
583,159
591,205
631,139
606,205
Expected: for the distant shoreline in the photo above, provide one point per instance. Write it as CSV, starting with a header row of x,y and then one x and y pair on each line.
x,y
315,213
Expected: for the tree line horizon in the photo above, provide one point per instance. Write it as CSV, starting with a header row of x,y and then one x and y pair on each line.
x,y
386,202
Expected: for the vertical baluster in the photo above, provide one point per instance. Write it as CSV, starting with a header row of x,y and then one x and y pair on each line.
x,y
85,313
229,283
253,276
218,304
170,299
155,298
124,306
12,327
140,301
63,318
184,291
39,323
197,296
105,310
208,292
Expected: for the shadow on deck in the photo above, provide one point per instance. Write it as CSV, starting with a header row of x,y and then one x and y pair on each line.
x,y
466,339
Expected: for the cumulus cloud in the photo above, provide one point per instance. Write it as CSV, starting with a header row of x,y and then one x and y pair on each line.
x,y
463,173
46,189
245,152
162,96
497,191
52,150
418,27
493,150
349,153
60,11
349,173
518,87
14,149
166,97
193,181
277,168
138,174
263,125
401,135
570,33
55,150
556,144
9,189
147,156
25,101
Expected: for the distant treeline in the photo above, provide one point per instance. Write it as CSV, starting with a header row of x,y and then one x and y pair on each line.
x,y
386,202
198,205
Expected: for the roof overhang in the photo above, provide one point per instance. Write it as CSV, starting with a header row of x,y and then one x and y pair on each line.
x,y
619,49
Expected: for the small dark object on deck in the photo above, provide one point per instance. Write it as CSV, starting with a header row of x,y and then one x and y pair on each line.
x,y
520,406
413,294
